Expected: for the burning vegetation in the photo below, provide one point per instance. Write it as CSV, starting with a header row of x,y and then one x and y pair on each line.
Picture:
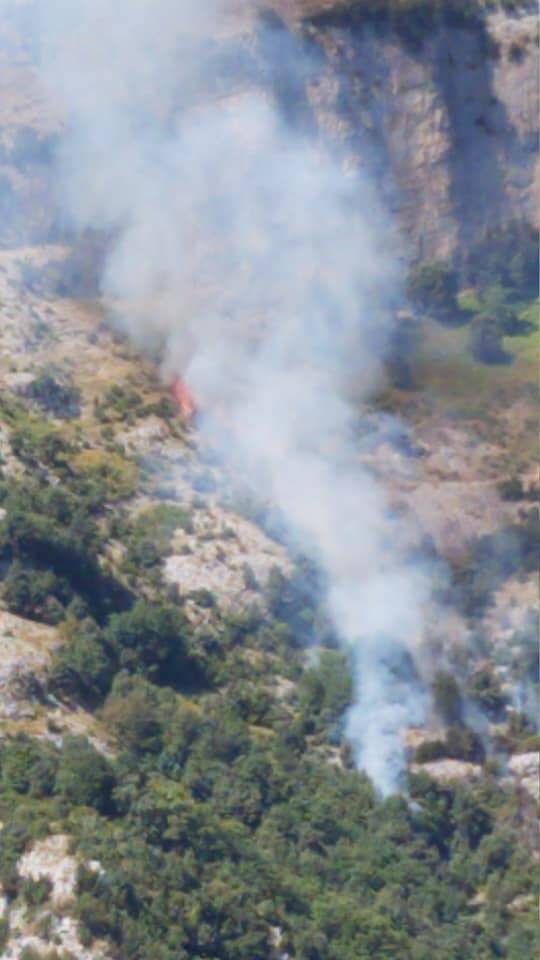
x,y
184,399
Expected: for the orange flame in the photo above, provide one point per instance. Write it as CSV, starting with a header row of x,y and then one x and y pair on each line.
x,y
184,398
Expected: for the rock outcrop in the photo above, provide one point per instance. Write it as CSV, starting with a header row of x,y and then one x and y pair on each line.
x,y
450,129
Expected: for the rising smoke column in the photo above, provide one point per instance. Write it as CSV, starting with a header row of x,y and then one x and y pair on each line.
x,y
268,276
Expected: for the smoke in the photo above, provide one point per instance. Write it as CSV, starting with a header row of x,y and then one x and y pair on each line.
x,y
268,277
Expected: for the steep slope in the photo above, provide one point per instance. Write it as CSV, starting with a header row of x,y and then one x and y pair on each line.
x,y
173,776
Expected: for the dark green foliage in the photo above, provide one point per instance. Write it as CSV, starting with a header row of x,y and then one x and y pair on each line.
x,y
447,698
325,691
484,687
511,489
203,598
486,341
494,557
36,892
152,639
165,408
82,667
119,403
149,538
84,777
432,288
13,840
135,714
51,533
412,20
54,396
35,594
508,257
402,350
39,444
296,601
27,767
460,744
4,932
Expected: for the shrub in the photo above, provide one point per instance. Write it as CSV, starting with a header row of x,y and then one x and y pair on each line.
x,y
507,256
447,698
82,666
325,691
133,712
113,475
35,594
120,402
511,489
84,776
27,766
65,544
486,341
36,892
484,687
37,443
60,399
460,744
432,288
152,640
149,538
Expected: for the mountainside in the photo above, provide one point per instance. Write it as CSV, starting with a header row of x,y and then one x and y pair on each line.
x,y
453,122
179,715
444,116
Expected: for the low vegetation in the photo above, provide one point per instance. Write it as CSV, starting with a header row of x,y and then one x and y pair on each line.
x,y
221,829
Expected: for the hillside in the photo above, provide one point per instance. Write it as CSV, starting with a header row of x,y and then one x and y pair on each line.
x,y
179,773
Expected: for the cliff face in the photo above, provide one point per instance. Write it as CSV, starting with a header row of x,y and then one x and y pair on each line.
x,y
449,129
448,126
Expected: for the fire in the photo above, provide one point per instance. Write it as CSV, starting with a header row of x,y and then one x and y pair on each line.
x,y
184,398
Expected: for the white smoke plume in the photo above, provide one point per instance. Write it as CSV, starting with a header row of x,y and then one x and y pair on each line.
x,y
268,277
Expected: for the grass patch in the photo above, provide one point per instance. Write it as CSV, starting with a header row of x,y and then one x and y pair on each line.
x,y
447,370
120,476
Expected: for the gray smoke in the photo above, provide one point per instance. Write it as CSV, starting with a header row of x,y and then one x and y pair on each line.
x,y
268,277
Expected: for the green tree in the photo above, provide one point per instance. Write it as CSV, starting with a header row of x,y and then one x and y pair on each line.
x,y
84,778
432,288
152,639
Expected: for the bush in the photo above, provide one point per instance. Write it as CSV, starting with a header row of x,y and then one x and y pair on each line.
x,y
27,766
432,288
84,777
35,594
484,687
119,403
115,477
36,892
37,443
81,667
486,341
460,744
511,489
325,691
149,538
60,399
133,712
507,256
447,698
152,640
51,530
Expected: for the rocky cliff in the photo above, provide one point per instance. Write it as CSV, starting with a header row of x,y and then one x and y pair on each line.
x,y
449,126
446,122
